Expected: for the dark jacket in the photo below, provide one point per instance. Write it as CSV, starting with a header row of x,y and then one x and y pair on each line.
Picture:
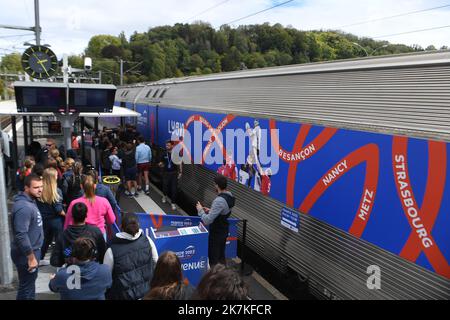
x,y
220,224
71,187
51,211
95,280
61,254
169,165
129,159
103,191
106,163
133,268
27,225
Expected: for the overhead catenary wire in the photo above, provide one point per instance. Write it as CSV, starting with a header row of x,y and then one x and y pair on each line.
x,y
207,10
391,17
413,31
15,36
254,14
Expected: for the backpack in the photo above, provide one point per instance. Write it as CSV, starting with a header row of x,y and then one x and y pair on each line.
x,y
106,163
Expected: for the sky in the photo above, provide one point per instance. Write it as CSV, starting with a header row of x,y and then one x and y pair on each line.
x,y
68,25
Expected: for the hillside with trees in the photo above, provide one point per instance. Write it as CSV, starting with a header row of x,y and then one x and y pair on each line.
x,y
193,49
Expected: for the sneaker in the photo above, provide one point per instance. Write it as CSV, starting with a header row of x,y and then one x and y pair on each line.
x,y
174,206
128,194
139,190
164,200
43,263
135,195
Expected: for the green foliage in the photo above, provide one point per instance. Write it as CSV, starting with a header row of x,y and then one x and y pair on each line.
x,y
2,88
97,43
110,70
11,63
76,62
194,49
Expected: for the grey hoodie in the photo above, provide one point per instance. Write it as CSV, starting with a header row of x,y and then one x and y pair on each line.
x,y
27,225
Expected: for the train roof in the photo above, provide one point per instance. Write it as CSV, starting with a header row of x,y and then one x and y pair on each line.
x,y
401,94
424,58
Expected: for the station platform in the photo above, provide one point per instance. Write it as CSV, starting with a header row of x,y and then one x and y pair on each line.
x,y
259,288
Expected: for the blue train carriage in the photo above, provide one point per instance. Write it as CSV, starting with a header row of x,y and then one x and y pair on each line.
x,y
343,174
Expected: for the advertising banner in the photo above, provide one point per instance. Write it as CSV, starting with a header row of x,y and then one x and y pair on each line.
x,y
146,123
392,191
150,220
190,244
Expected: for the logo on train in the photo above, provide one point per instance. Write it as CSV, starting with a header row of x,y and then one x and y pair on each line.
x,y
187,253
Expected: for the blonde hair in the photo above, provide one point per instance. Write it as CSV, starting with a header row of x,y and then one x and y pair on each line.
x,y
50,189
89,188
54,153
69,163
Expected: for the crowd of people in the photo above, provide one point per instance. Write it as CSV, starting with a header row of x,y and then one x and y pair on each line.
x,y
62,201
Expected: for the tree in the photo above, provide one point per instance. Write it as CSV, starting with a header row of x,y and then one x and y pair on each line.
x,y
196,62
12,62
430,48
220,42
193,49
2,88
416,47
231,61
97,43
112,52
154,62
76,61
109,68
255,60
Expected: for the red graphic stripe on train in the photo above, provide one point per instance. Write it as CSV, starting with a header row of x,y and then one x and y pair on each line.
x,y
368,154
434,191
214,132
421,223
298,153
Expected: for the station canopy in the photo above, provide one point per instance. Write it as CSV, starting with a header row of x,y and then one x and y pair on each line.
x,y
9,108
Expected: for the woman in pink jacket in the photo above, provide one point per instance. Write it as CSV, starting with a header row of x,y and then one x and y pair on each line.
x,y
99,212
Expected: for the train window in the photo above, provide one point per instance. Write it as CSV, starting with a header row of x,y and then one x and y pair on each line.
x,y
148,93
156,93
163,93
126,93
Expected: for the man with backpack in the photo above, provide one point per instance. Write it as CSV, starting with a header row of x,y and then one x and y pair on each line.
x,y
62,253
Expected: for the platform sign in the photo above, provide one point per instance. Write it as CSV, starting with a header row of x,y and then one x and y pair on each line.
x,y
83,98
290,219
190,244
54,127
40,97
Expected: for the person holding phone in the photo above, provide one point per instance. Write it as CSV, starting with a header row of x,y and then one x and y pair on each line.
x,y
217,219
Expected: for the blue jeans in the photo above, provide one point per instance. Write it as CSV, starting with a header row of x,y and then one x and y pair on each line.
x,y
53,227
27,280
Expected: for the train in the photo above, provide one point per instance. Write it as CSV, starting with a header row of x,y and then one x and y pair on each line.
x,y
352,192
